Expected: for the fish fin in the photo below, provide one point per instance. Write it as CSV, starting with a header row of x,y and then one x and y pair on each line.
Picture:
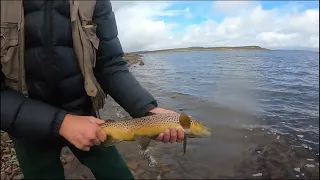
x,y
184,145
110,120
110,141
144,141
185,121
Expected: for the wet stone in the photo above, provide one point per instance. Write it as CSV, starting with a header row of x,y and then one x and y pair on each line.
x,y
139,172
144,165
132,165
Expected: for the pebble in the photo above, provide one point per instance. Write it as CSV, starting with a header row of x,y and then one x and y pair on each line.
x,y
310,165
245,136
310,159
297,175
132,165
3,175
296,169
278,137
257,175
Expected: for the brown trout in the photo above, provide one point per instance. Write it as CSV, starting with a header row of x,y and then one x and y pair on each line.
x,y
147,128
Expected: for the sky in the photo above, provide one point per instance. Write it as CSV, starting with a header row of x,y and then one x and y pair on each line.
x,y
152,25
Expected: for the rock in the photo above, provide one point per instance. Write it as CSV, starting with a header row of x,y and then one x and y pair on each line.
x,y
3,175
132,165
257,175
139,172
144,165
310,165
5,139
18,177
83,176
141,63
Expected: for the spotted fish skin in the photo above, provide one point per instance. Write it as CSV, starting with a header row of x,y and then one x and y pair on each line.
x,y
151,126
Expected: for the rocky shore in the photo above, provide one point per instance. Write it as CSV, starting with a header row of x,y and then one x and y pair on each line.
x,y
270,156
133,58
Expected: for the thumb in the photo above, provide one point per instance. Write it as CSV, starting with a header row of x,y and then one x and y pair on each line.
x,y
96,120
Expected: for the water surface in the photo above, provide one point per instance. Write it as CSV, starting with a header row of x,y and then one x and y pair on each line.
x,y
235,92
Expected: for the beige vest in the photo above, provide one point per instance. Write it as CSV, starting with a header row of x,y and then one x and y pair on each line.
x,y
85,44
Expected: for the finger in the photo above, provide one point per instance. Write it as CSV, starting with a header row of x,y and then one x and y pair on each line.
x,y
96,120
86,142
173,135
85,148
160,137
80,146
166,136
96,141
101,135
77,145
180,135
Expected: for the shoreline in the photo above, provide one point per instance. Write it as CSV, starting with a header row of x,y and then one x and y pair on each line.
x,y
221,48
137,57
266,155
133,58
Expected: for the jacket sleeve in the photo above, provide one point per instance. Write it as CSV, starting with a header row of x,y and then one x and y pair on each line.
x,y
111,69
28,118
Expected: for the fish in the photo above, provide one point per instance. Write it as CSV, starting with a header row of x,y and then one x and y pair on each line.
x,y
147,128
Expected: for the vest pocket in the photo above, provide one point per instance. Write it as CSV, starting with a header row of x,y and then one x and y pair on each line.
x,y
10,53
90,31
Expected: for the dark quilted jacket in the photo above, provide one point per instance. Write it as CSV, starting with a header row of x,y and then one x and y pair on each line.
x,y
57,89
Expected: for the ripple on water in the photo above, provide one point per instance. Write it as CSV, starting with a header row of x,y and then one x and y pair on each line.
x,y
279,88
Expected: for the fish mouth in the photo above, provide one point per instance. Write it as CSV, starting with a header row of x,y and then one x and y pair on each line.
x,y
202,135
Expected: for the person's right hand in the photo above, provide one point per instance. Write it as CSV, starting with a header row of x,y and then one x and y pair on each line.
x,y
82,131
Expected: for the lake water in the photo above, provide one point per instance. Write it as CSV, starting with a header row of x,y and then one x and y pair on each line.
x,y
280,87
273,90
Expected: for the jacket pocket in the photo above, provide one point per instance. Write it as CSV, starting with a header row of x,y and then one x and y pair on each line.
x,y
10,53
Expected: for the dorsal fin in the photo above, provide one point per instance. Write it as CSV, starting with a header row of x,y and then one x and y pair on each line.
x,y
185,121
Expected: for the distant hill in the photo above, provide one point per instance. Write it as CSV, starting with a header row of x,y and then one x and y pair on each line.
x,y
226,48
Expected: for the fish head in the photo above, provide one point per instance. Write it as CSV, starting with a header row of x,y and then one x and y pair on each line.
x,y
197,129
193,128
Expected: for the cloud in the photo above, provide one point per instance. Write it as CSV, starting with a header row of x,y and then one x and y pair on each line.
x,y
232,7
150,25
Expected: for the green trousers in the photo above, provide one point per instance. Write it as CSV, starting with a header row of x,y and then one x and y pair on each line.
x,y
43,161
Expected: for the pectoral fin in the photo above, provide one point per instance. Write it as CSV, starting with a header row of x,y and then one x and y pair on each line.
x,y
144,141
110,141
185,121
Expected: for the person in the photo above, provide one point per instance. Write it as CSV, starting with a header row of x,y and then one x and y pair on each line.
x,y
57,111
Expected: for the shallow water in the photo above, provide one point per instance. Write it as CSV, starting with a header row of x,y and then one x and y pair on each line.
x,y
277,89
235,93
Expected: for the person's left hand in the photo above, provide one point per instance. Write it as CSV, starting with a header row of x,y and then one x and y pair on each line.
x,y
170,135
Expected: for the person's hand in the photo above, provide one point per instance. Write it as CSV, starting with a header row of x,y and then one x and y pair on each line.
x,y
82,131
170,135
